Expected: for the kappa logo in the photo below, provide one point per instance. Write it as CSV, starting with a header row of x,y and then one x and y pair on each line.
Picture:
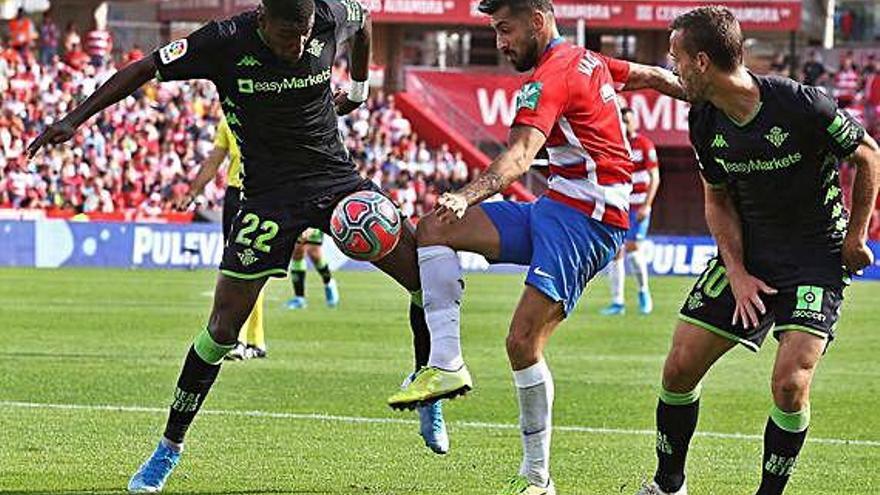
x,y
173,51
248,61
776,136
719,141
232,119
529,96
315,48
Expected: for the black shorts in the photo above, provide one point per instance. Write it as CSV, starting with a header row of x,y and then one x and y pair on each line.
x,y
264,232
810,308
231,204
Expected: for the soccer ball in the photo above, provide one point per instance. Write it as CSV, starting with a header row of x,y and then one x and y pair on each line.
x,y
365,225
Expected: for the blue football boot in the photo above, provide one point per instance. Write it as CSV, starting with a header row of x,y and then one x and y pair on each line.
x,y
152,475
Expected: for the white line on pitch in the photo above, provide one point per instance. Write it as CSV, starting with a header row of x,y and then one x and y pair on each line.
x,y
361,419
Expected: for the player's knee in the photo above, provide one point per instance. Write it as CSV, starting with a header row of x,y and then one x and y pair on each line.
x,y
522,340
678,375
791,390
221,331
430,232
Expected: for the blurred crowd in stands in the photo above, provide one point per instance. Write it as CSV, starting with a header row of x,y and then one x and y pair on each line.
x,y
139,156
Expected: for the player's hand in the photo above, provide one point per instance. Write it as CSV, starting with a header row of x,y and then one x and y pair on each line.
x,y
451,207
856,254
56,133
343,105
747,291
643,213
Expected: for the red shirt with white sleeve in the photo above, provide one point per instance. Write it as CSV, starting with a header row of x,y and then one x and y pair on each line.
x,y
571,99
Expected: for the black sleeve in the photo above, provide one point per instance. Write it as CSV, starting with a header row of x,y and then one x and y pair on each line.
x,y
835,127
193,57
711,171
348,16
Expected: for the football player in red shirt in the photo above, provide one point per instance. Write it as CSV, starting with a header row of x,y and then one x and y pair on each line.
x,y
568,105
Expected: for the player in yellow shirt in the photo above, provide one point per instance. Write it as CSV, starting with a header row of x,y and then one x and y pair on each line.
x,y
251,341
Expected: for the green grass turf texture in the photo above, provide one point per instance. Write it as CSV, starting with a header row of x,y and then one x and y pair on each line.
x,y
114,337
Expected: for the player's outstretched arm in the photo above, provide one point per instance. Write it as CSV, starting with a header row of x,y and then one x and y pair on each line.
x,y
726,227
856,254
525,142
122,84
652,77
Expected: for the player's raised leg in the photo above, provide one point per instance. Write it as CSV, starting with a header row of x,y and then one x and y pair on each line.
x,y
693,352
233,301
786,430
442,288
402,265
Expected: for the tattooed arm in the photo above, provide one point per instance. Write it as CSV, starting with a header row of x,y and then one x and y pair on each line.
x,y
525,142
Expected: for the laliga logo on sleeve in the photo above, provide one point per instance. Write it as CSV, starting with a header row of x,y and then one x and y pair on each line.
x,y
172,51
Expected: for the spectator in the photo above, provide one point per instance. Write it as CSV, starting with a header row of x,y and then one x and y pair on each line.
x,y
76,58
71,37
48,39
99,45
21,31
779,65
847,81
814,69
138,155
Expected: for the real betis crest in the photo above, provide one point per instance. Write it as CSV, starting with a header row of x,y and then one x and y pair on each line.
x,y
529,95
776,136
247,257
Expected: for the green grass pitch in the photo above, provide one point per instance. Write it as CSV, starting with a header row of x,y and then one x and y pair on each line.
x,y
311,419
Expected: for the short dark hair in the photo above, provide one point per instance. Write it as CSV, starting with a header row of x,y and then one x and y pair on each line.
x,y
492,6
626,111
295,11
715,31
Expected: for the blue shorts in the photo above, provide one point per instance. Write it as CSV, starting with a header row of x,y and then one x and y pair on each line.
x,y
563,247
638,231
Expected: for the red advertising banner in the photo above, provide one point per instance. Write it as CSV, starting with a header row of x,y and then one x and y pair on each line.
x,y
488,100
758,15
755,15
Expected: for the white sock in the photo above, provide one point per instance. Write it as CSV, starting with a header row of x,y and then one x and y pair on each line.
x,y
442,287
534,387
639,268
616,277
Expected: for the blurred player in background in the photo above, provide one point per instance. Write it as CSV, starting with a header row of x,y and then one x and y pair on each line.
x,y
310,243
768,149
271,66
569,104
251,339
646,180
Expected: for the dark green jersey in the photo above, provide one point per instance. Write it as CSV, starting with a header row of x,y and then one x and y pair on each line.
x,y
282,115
782,171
